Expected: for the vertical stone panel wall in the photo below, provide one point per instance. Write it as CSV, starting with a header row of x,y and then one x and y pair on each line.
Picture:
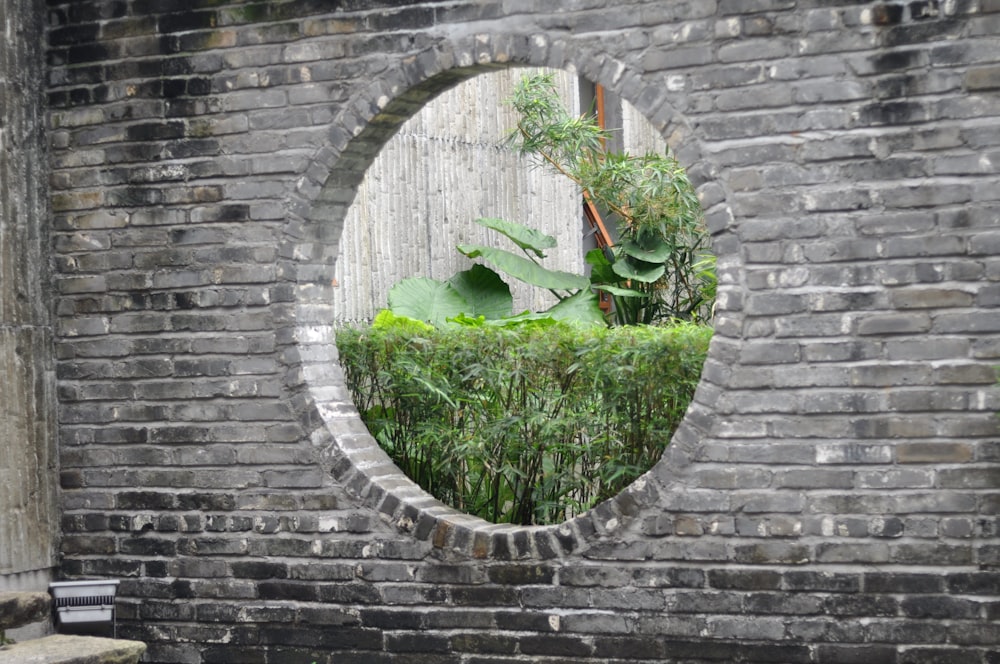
x,y
447,166
832,495
450,164
28,518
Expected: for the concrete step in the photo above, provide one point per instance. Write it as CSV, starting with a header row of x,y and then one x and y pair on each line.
x,y
67,649
23,608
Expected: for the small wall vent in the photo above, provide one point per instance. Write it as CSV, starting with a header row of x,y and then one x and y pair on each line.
x,y
85,607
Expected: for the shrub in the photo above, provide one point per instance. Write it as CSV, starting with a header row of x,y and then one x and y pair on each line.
x,y
659,269
528,424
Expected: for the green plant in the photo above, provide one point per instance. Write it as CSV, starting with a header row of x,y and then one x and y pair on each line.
x,y
527,424
526,418
660,268
481,292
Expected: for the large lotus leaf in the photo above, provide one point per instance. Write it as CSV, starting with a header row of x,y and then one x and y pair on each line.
x,y
426,299
656,252
582,307
525,270
487,294
600,268
528,239
638,271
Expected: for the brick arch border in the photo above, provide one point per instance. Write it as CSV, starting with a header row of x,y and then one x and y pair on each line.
x,y
350,453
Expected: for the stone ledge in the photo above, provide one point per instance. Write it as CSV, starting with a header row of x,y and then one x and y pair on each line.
x,y
66,649
23,608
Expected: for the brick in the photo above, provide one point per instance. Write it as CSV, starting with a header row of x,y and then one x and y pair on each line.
x,y
861,605
521,574
895,479
983,78
744,579
942,655
938,607
771,526
975,478
853,453
852,553
894,324
926,553
771,553
553,645
855,654
934,453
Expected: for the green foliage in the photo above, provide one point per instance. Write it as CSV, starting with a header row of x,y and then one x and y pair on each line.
x,y
526,418
526,269
427,300
482,292
527,424
661,269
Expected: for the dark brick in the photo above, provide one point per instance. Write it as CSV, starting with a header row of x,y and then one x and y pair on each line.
x,y
87,53
861,605
856,654
349,593
411,643
628,647
303,592
326,637
398,619
936,656
148,546
903,582
206,501
145,500
745,579
513,575
257,569
886,14
555,645
523,621
233,655
187,20
708,651
483,596
975,583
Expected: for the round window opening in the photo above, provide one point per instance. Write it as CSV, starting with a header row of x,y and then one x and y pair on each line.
x,y
523,296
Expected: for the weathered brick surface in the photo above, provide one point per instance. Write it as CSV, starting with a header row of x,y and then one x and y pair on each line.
x,y
29,517
832,495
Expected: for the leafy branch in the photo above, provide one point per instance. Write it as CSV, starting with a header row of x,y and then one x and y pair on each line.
x,y
658,269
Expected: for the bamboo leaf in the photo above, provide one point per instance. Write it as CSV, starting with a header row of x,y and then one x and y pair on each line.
x,y
620,292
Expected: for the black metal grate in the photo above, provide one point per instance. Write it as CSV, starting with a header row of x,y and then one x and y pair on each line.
x,y
93,600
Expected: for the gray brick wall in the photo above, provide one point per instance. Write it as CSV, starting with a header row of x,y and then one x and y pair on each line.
x,y
832,495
